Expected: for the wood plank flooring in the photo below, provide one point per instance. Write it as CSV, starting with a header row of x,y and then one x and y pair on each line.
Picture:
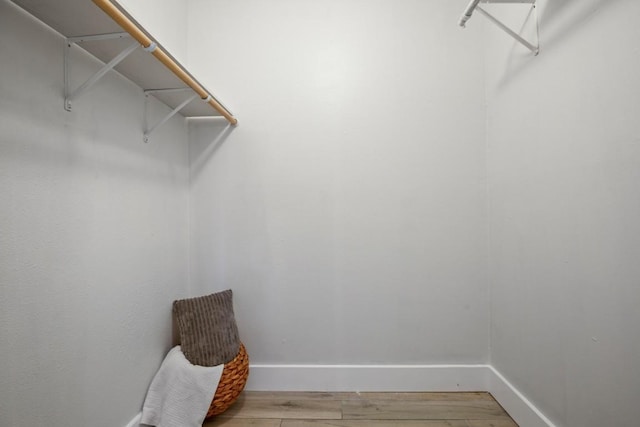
x,y
294,409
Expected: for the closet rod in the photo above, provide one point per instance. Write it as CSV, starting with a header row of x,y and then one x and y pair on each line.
x,y
468,12
129,26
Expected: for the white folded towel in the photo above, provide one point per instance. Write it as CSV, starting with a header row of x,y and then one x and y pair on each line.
x,y
180,393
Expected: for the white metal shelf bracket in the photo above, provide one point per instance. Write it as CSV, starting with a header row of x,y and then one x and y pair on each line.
x,y
149,130
70,96
473,5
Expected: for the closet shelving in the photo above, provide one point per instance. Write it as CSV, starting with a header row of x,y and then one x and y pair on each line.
x,y
475,5
104,29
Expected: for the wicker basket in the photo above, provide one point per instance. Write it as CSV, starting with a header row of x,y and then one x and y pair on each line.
x,y
232,382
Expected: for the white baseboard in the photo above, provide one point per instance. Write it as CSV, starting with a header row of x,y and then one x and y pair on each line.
x,y
515,403
368,377
135,422
400,378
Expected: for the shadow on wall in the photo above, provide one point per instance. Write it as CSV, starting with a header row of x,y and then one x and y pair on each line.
x,y
201,148
557,20
89,150
562,17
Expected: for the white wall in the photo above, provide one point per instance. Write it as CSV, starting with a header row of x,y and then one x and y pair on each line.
x,y
564,150
93,237
347,210
165,20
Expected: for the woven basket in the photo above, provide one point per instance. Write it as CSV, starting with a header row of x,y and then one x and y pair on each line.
x,y
232,382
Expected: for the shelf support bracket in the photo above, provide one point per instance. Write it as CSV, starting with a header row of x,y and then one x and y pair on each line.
x,y
70,96
148,131
474,6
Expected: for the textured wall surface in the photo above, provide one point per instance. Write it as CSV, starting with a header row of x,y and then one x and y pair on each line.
x,y
93,237
347,211
564,150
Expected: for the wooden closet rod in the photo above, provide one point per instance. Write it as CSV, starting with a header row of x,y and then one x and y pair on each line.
x,y
135,32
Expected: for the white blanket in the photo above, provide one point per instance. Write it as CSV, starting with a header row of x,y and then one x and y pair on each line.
x,y
180,393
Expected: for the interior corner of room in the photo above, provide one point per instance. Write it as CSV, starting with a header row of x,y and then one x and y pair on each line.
x,y
406,206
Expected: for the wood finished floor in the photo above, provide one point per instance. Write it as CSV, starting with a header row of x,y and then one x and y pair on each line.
x,y
293,409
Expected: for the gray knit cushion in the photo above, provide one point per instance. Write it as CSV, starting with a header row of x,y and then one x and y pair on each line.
x,y
207,327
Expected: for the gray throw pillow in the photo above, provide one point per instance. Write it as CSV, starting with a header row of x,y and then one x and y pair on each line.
x,y
207,327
